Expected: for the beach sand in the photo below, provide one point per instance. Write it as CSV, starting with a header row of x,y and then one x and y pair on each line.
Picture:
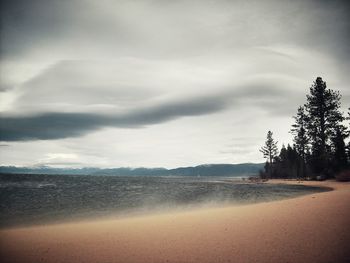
x,y
311,228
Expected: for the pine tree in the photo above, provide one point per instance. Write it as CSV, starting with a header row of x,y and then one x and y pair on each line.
x,y
299,131
324,119
269,150
301,140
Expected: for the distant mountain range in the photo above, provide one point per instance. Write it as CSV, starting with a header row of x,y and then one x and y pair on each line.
x,y
244,169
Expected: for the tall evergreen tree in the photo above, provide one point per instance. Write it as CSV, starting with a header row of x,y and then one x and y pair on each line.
x,y
324,119
299,131
269,150
301,139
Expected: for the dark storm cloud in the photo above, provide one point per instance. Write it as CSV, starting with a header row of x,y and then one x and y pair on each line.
x,y
62,125
48,126
28,25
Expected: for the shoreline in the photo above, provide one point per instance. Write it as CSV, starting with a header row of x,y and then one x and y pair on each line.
x,y
308,228
145,212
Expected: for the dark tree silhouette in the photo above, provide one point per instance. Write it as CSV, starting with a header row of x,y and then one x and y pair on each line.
x,y
269,151
324,119
301,139
319,134
287,164
339,160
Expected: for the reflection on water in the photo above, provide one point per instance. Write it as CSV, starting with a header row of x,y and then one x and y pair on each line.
x,y
33,199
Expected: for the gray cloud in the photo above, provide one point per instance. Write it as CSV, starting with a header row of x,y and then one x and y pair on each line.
x,y
62,125
163,28
56,125
25,25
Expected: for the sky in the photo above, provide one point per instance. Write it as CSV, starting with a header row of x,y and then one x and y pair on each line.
x,y
150,83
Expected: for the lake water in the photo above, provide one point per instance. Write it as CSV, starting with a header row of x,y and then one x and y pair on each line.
x,y
37,199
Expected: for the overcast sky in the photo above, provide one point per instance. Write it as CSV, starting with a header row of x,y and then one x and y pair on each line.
x,y
152,83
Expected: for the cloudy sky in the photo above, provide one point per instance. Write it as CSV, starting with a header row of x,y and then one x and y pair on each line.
x,y
152,83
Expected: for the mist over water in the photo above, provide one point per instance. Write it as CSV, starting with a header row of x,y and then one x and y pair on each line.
x,y
37,199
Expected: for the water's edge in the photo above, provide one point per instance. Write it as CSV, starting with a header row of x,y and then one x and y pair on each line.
x,y
27,200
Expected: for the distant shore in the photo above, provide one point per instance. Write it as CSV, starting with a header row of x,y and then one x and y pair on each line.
x,y
310,228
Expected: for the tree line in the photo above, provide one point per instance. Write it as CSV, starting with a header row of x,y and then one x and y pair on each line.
x,y
319,132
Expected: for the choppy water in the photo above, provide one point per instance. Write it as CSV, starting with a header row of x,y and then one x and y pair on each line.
x,y
34,199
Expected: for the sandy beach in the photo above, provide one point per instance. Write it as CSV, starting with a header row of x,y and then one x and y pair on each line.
x,y
311,228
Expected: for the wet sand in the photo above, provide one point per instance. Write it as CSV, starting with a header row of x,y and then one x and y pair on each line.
x,y
310,228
